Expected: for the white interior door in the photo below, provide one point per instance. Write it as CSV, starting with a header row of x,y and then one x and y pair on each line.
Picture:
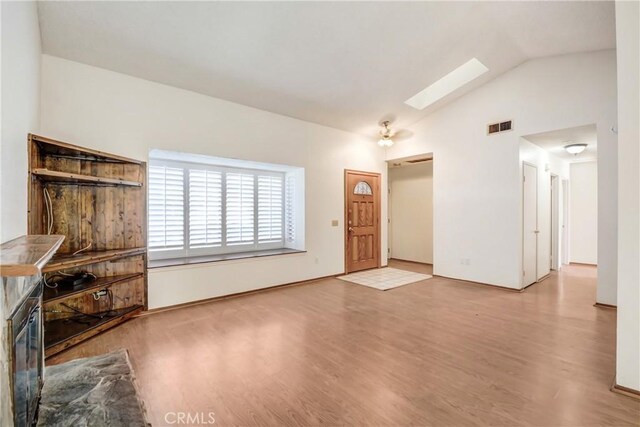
x,y
555,220
565,222
529,224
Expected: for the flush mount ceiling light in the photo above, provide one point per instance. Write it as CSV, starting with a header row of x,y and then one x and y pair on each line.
x,y
575,149
385,135
457,78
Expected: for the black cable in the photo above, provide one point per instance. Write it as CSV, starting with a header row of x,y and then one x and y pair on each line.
x,y
54,284
105,314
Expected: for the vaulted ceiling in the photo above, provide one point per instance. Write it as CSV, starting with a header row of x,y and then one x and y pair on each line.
x,y
341,64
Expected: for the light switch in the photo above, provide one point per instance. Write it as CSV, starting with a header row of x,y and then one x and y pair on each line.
x,y
334,223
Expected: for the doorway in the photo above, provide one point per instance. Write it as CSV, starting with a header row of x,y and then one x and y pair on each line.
x,y
529,224
362,220
410,188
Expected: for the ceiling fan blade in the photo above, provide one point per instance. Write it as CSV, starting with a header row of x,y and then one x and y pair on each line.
x,y
402,134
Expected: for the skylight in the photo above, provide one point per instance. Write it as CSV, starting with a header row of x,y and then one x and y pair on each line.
x,y
454,80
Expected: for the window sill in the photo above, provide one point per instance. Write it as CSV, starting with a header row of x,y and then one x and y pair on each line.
x,y
171,262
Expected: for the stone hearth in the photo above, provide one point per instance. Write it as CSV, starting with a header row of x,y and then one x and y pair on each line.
x,y
94,391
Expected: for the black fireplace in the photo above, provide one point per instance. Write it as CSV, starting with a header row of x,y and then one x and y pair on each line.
x,y
26,346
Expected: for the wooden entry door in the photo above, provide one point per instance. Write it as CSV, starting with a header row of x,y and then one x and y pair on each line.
x,y
362,220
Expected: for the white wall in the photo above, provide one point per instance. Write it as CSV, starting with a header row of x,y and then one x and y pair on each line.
x,y
20,110
20,87
628,342
546,165
113,112
583,212
411,212
477,188
607,213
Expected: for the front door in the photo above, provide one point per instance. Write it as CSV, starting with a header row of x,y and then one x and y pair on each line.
x,y
362,220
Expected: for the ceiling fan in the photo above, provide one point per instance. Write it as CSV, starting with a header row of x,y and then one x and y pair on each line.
x,y
388,136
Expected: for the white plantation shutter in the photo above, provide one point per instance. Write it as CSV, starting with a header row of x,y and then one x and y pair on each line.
x,y
240,208
201,209
166,208
205,208
270,208
289,210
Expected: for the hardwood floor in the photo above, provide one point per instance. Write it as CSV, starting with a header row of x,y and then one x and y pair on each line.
x,y
438,352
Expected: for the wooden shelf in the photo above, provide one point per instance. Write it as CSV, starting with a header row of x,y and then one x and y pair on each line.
x,y
62,262
55,148
60,334
52,295
97,197
75,178
27,255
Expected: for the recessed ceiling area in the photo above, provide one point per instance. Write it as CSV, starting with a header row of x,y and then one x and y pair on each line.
x,y
555,141
339,64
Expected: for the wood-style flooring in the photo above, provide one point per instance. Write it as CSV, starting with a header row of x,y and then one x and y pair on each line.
x,y
438,352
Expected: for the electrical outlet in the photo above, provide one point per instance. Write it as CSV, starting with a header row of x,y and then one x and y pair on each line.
x,y
334,223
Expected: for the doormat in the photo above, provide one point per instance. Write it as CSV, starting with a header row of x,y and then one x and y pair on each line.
x,y
384,279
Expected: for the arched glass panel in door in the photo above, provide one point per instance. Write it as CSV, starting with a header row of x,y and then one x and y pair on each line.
x,y
362,188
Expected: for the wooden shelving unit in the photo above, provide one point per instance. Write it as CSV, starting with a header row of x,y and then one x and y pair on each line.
x,y
62,261
61,334
97,201
76,178
52,295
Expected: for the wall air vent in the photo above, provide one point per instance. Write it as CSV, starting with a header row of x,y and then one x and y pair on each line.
x,y
499,127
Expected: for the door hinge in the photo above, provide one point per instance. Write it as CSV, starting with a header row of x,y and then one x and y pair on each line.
x,y
523,273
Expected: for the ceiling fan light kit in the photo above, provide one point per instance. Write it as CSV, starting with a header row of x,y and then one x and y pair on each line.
x,y
575,149
385,142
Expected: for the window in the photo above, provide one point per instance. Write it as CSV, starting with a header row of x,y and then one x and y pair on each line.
x,y
204,209
362,188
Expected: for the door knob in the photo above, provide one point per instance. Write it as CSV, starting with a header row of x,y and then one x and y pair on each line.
x,y
350,229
